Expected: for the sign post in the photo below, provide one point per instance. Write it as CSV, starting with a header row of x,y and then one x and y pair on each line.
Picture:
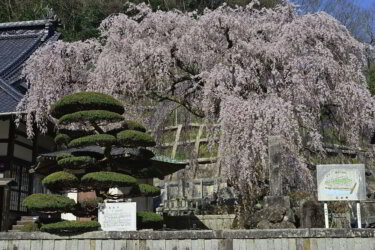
x,y
326,214
359,215
341,182
119,216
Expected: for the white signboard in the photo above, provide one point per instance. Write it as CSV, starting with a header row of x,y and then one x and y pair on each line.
x,y
121,216
341,182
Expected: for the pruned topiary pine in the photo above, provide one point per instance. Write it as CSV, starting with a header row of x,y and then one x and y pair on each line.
x,y
101,126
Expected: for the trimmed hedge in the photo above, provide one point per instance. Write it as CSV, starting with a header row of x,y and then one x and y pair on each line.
x,y
61,139
145,190
63,156
96,116
60,181
100,140
133,138
76,162
85,101
63,227
128,125
48,203
105,180
147,220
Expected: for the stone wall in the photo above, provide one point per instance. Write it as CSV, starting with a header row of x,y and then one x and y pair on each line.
x,y
292,239
212,222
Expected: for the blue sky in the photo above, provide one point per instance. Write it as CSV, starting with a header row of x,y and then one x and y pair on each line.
x,y
365,3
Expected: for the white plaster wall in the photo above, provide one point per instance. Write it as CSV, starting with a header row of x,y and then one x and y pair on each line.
x,y
70,216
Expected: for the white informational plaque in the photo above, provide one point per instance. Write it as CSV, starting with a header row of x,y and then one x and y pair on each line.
x,y
119,216
341,182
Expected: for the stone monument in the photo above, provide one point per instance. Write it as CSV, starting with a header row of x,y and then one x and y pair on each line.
x,y
276,212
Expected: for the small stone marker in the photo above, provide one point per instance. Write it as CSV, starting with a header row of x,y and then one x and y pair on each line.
x,y
275,149
120,216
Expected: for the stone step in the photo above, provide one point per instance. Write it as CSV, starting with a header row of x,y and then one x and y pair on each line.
x,y
28,217
24,222
17,227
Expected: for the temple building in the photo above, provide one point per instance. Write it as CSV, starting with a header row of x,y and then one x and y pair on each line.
x,y
18,40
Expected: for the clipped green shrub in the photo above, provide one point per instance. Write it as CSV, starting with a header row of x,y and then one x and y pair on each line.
x,y
64,227
60,181
61,139
48,203
85,101
105,180
76,162
145,190
100,140
128,125
63,156
96,116
147,219
133,138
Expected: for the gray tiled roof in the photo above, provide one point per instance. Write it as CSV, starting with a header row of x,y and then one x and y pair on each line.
x,y
18,40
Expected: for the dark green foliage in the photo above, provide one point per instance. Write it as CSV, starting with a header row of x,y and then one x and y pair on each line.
x,y
63,156
88,207
76,133
145,190
149,172
80,19
96,116
62,139
70,227
133,138
100,140
106,180
60,181
48,203
146,219
76,108
128,125
144,153
85,101
76,162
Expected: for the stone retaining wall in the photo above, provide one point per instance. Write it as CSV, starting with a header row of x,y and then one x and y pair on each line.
x,y
288,239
